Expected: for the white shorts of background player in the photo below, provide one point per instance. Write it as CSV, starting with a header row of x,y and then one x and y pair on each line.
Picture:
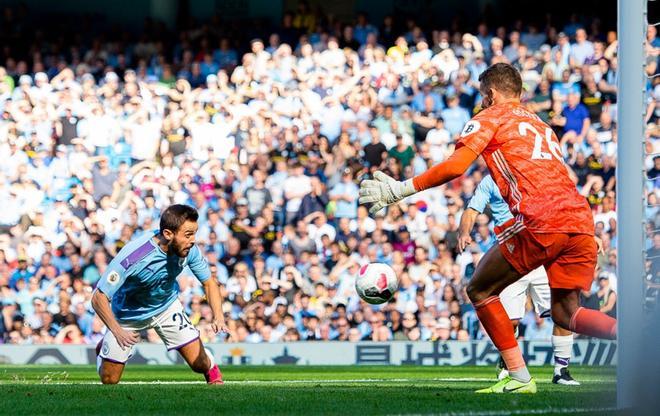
x,y
173,326
514,297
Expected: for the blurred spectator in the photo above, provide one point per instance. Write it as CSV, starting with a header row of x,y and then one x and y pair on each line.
x,y
345,195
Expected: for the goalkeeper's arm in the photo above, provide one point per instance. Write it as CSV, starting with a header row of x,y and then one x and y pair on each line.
x,y
384,190
446,171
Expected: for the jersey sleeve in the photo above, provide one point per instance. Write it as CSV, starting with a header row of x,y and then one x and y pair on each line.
x,y
113,277
496,201
478,132
198,265
481,195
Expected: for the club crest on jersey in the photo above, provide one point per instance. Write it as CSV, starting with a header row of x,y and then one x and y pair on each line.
x,y
472,126
510,247
113,278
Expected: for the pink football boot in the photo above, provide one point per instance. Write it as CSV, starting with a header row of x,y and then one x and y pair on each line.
x,y
214,376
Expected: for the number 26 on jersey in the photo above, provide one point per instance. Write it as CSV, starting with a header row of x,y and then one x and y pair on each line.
x,y
538,153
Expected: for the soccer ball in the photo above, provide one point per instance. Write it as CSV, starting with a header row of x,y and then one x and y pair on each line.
x,y
376,283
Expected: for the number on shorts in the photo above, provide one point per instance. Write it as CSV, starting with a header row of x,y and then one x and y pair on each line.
x,y
184,322
538,153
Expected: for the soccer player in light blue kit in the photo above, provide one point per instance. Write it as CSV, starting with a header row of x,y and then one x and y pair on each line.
x,y
514,297
139,290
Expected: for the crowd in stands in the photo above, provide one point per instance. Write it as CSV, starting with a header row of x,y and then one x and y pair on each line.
x,y
97,137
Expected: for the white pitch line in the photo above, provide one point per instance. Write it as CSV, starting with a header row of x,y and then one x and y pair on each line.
x,y
324,381
385,380
307,381
361,380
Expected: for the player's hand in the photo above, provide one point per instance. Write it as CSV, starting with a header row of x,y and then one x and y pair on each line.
x,y
219,326
599,244
464,240
125,338
384,190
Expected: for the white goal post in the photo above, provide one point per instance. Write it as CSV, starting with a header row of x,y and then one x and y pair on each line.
x,y
630,179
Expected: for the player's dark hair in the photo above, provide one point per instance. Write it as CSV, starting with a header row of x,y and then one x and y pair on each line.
x,y
502,77
175,215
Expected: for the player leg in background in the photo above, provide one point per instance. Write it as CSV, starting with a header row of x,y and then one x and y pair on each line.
x,y
493,274
562,346
562,340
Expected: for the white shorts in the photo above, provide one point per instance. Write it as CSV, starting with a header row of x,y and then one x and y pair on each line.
x,y
514,297
172,325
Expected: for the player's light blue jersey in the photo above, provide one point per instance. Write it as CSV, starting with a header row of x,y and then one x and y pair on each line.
x,y
141,280
487,193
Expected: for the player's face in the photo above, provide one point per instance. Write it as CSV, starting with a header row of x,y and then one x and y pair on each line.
x,y
184,239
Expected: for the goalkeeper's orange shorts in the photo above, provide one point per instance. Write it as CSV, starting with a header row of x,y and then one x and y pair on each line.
x,y
569,259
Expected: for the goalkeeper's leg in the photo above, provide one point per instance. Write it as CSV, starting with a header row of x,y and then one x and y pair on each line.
x,y
493,274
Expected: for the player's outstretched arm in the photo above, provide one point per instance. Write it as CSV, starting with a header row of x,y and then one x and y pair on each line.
x,y
482,197
215,302
101,306
384,190
446,171
468,218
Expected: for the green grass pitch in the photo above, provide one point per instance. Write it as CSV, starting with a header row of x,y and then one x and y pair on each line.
x,y
296,390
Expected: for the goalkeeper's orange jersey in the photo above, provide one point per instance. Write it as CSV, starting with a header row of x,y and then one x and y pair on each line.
x,y
525,160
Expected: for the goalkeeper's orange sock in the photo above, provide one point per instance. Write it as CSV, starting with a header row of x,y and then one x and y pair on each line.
x,y
593,323
497,324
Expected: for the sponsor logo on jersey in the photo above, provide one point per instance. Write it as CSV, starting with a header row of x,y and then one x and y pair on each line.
x,y
113,278
472,126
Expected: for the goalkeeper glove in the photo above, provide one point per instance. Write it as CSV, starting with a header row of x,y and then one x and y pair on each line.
x,y
383,191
